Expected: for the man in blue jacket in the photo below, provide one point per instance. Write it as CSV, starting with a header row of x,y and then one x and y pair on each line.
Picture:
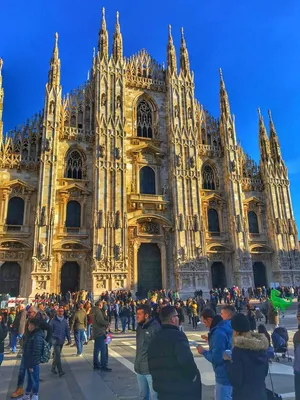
x,y
60,332
219,339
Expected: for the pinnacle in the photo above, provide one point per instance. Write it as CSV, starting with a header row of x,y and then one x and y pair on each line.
x,y
1,64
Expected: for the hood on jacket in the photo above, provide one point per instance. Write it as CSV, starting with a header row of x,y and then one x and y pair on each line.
x,y
251,341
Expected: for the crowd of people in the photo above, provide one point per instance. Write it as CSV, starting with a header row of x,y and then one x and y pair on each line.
x,y
164,363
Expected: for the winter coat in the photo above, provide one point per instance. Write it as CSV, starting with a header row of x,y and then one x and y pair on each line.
x,y
249,367
43,325
180,315
171,363
251,319
194,310
19,323
60,331
100,322
80,320
3,334
144,335
273,315
33,348
219,339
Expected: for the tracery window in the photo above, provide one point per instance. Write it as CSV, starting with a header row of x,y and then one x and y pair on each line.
x,y
213,220
253,222
208,178
144,120
74,165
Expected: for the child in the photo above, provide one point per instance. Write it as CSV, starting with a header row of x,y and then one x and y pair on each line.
x,y
258,314
32,353
3,334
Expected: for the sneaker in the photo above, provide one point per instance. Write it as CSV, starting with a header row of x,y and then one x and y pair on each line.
x,y
106,369
35,397
62,373
26,397
18,393
78,355
53,370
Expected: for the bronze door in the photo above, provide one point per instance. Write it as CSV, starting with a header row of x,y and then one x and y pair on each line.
x,y
218,276
69,277
10,274
149,269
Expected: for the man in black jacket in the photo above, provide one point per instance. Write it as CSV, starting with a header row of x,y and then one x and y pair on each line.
x,y
146,330
171,362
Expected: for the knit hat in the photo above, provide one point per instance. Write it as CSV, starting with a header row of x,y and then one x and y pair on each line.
x,y
240,323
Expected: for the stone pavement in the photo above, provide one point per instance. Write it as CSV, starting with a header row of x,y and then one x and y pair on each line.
x,y
82,383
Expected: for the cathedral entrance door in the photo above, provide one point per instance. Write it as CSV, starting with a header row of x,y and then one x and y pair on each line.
x,y
218,275
70,274
10,274
149,269
259,273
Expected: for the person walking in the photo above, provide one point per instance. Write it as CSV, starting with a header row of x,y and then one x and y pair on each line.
x,y
100,326
18,327
146,329
116,315
79,324
3,334
60,332
296,341
219,339
171,363
248,365
32,350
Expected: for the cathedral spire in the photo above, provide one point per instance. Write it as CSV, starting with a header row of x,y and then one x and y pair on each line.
x,y
118,41
274,141
103,38
184,56
264,143
224,101
171,56
54,72
1,100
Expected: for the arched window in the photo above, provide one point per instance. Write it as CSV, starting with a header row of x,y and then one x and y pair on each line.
x,y
253,222
213,220
147,181
74,165
73,214
15,211
208,178
144,120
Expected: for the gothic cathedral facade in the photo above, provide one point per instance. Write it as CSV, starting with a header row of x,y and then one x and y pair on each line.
x,y
128,182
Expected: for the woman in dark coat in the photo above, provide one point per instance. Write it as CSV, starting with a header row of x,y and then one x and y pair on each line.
x,y
248,366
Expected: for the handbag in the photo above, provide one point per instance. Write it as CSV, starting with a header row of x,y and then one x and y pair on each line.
x,y
271,395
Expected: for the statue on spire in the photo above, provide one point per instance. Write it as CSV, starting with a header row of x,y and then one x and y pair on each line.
x,y
171,56
184,56
54,72
274,141
264,143
103,38
118,41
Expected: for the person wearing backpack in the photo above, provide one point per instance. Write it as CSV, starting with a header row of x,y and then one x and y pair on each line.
x,y
32,353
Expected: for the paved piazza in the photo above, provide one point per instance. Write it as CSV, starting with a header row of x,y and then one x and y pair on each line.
x,y
82,383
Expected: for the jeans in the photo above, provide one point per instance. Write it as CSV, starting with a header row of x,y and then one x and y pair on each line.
x,y
146,387
1,358
297,385
133,320
223,392
116,322
57,348
124,323
33,380
89,331
14,342
194,319
100,346
79,339
22,372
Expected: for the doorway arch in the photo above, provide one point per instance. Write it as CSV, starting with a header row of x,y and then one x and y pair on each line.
x,y
149,268
69,277
259,274
10,274
218,275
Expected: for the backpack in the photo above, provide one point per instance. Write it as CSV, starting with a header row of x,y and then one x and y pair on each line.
x,y
46,353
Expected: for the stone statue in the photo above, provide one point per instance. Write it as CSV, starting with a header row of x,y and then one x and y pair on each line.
x,y
192,162
37,217
118,153
179,160
181,222
42,250
96,219
118,252
100,219
52,216
43,216
125,220
101,151
101,252
118,220
196,223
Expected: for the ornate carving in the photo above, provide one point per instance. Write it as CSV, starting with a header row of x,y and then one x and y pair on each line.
x,y
149,228
118,252
42,250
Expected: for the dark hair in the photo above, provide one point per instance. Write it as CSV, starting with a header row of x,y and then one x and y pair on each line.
x,y
208,313
216,320
262,329
34,321
144,307
229,309
166,313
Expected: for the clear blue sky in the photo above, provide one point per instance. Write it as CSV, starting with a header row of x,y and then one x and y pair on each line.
x,y
257,44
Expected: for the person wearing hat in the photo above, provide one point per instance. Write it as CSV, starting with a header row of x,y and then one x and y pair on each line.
x,y
247,367
296,341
